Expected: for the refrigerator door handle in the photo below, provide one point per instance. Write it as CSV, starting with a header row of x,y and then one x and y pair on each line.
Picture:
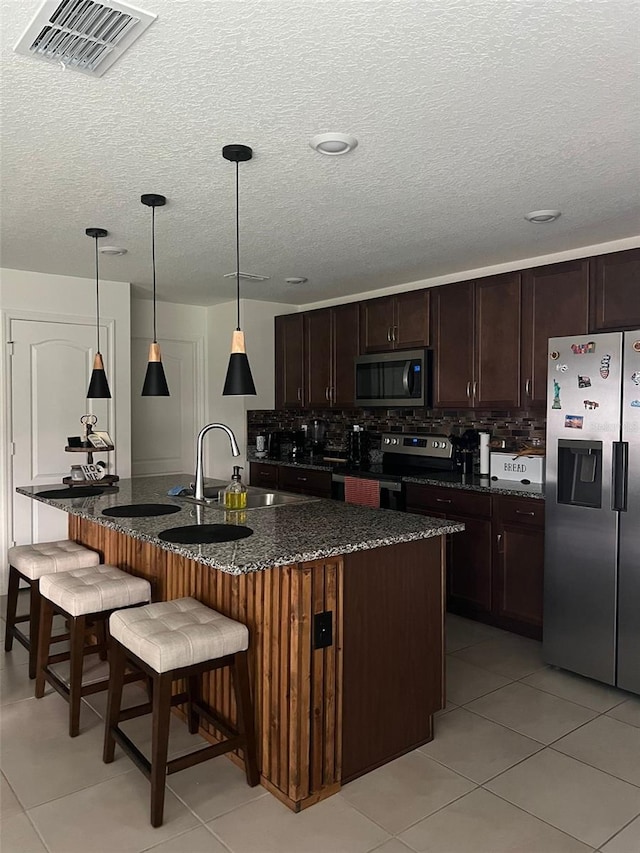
x,y
620,476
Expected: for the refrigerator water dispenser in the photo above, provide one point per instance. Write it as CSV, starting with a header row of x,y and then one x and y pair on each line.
x,y
580,473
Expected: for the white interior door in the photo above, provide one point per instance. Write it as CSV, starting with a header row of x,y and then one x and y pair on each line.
x,y
163,429
50,370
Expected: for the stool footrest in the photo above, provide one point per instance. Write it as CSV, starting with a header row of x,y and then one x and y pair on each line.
x,y
129,747
204,754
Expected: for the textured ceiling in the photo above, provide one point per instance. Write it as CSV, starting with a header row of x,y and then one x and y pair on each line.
x,y
469,113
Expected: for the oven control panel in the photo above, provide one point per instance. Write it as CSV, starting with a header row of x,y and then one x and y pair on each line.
x,y
434,446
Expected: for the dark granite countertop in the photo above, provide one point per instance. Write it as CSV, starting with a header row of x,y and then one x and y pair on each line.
x,y
450,479
312,530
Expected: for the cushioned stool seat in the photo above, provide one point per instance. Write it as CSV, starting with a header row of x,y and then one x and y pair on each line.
x,y
171,634
29,563
173,640
83,596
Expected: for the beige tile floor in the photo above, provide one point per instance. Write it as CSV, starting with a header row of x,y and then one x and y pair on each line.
x,y
526,759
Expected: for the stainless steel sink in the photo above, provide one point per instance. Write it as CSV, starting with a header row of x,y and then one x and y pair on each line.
x,y
256,498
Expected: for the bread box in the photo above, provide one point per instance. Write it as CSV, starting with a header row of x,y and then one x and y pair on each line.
x,y
508,466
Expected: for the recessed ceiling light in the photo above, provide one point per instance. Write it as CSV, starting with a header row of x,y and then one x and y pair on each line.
x,y
112,250
296,279
333,143
542,216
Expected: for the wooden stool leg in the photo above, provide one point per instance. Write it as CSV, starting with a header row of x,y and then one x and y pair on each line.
x,y
78,627
44,642
117,660
12,606
246,725
159,745
101,638
34,626
194,691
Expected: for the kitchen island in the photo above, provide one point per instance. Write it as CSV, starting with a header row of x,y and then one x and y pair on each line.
x,y
345,609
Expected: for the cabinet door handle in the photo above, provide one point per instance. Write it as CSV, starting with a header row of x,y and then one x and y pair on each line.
x,y
332,394
326,393
393,333
527,387
475,388
389,334
522,512
500,550
300,394
302,479
443,501
468,389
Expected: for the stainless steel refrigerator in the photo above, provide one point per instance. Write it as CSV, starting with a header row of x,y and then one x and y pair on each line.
x,y
592,532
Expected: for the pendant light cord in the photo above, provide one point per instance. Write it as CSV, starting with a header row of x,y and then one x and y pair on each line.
x,y
237,249
97,300
153,264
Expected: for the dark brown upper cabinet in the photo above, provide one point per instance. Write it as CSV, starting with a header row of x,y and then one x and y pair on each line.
x,y
395,322
453,332
615,298
496,383
289,362
476,332
331,345
555,302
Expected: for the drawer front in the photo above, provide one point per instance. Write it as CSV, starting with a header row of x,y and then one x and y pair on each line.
x,y
306,480
519,511
263,475
450,501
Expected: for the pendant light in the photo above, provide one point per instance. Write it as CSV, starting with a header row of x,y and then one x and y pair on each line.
x,y
155,382
239,380
98,386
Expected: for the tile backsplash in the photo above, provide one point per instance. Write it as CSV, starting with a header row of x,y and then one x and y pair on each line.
x,y
516,428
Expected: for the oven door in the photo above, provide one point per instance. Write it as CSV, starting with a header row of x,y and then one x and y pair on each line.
x,y
391,493
392,379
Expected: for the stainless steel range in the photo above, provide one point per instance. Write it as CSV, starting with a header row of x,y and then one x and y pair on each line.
x,y
403,455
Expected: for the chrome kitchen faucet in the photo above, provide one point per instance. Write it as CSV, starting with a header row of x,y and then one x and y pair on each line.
x,y
198,492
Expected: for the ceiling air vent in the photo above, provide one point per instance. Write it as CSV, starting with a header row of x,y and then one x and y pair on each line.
x,y
83,35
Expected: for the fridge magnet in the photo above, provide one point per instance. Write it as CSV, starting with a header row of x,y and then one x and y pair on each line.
x,y
562,367
556,395
635,377
573,421
584,382
555,355
636,346
636,404
583,349
591,404
604,366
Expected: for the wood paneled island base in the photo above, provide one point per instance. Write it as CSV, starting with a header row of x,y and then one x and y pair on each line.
x,y
325,715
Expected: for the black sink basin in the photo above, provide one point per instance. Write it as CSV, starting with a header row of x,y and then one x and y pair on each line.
x,y
77,492
202,534
140,510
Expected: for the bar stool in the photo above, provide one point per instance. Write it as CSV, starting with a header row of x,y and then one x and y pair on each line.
x,y
167,641
29,563
82,596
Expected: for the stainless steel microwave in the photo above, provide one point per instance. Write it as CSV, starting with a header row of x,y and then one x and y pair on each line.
x,y
394,379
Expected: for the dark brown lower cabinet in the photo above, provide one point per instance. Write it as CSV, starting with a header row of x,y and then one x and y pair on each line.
x,y
519,565
495,568
304,481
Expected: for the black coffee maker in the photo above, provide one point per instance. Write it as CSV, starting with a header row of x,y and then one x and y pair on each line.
x,y
358,442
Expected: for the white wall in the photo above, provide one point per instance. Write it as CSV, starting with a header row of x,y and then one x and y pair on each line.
x,y
32,295
256,319
164,428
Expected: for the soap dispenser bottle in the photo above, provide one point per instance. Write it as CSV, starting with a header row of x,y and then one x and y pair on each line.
x,y
235,495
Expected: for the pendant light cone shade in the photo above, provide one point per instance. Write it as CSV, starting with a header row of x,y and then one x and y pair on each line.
x,y
98,385
239,381
155,382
